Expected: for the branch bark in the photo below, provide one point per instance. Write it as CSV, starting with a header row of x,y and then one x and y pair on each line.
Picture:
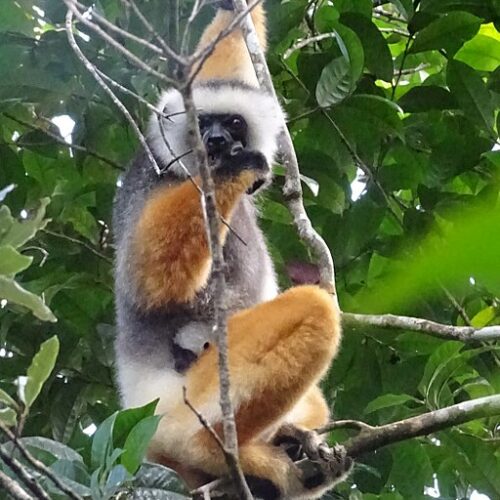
x,y
439,330
13,488
292,190
220,323
377,437
38,465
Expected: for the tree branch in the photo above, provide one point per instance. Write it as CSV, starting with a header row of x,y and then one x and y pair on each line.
x,y
218,277
29,481
72,6
439,330
93,71
61,141
292,190
13,488
39,466
422,425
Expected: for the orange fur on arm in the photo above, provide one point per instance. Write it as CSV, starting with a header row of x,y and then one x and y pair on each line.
x,y
170,251
230,59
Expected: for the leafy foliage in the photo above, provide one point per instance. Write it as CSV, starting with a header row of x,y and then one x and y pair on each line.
x,y
400,101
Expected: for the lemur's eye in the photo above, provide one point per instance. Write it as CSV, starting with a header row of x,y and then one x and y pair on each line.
x,y
236,122
202,122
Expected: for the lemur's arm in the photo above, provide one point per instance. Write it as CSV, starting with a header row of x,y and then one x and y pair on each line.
x,y
230,59
170,251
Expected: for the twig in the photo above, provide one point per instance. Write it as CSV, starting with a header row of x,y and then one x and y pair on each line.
x,y
72,6
27,479
150,28
61,141
306,41
92,70
203,421
116,29
401,67
39,466
371,438
344,424
363,166
203,54
131,93
187,29
460,310
90,248
439,330
217,274
422,425
387,15
13,488
292,190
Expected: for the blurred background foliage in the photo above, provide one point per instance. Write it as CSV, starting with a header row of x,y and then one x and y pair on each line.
x,y
393,109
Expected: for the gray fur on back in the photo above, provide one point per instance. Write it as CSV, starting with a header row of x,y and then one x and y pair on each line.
x,y
154,337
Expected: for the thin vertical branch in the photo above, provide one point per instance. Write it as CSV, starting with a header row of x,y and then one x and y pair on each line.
x,y
92,70
292,190
218,277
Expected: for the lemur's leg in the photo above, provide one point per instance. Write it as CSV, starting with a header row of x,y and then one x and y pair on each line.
x,y
296,434
230,59
277,351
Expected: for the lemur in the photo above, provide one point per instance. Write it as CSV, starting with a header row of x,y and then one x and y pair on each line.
x,y
280,345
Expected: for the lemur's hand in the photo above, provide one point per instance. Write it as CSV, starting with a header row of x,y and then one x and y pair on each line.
x,y
239,160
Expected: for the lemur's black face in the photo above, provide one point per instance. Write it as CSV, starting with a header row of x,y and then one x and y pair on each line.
x,y
222,133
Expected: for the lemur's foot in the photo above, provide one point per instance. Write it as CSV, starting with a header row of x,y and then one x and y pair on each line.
x,y
332,468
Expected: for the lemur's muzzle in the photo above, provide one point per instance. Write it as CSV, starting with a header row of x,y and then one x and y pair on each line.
x,y
217,140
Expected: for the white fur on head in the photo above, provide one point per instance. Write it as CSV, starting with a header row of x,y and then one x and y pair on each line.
x,y
263,116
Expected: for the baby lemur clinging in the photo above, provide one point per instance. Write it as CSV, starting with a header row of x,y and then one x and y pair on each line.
x,y
279,345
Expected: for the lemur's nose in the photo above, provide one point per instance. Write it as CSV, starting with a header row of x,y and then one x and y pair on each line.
x,y
216,142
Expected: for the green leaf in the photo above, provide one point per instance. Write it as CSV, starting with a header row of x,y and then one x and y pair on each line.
x,y
7,400
155,494
447,32
158,476
405,8
483,317
471,93
410,455
338,78
41,446
481,53
382,112
481,8
388,400
102,442
363,7
15,18
427,97
6,190
40,368
117,476
335,83
137,442
13,292
17,233
127,419
378,58
12,262
352,49
8,417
